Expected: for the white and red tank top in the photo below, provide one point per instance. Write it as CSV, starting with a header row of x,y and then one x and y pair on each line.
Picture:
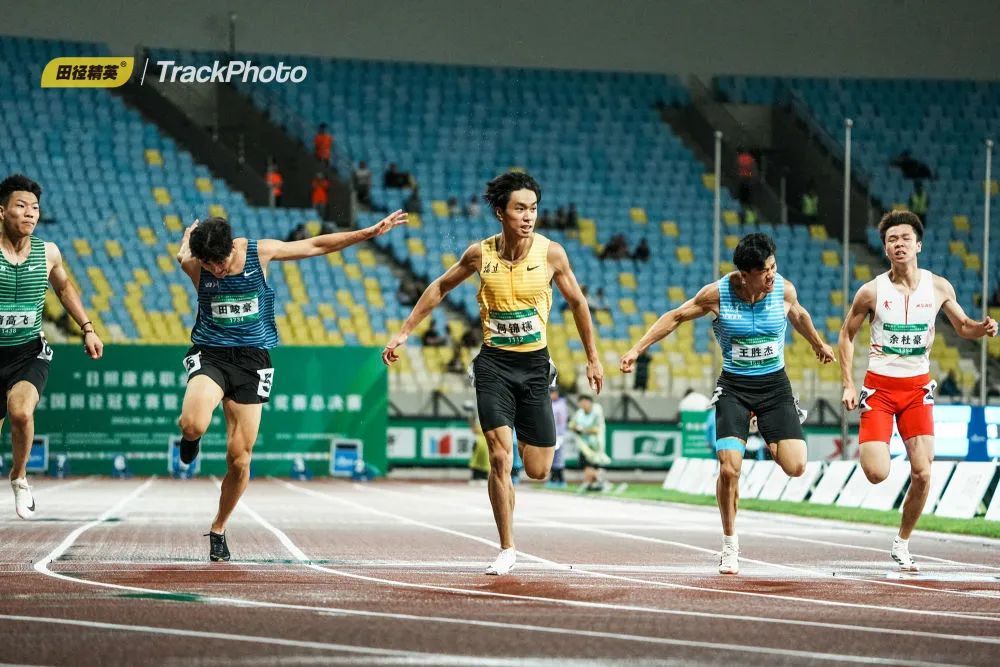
x,y
902,331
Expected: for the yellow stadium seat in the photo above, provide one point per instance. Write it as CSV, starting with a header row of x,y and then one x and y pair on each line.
x,y
818,232
957,248
313,227
897,206
166,263
669,228
113,248
862,272
413,221
366,257
627,306
217,211
960,223
415,246
147,235
833,323
831,258
972,262
676,294
352,271
204,184
371,283
731,218
161,196
82,247
448,260
638,215
604,318
732,240
726,267
439,208
837,297
335,259
684,255
153,157
708,180
994,188
142,277
627,280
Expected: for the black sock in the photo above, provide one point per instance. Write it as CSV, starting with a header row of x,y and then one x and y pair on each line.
x,y
189,450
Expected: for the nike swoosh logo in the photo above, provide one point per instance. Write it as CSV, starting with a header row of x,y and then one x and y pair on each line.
x,y
31,268
32,508
247,274
532,268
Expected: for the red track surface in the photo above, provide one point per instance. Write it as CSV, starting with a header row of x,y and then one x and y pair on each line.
x,y
392,573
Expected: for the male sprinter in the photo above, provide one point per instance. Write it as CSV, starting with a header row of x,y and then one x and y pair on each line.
x,y
512,372
28,266
902,305
751,305
229,360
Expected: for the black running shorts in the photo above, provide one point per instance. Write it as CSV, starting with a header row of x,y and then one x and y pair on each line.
x,y
767,396
512,389
28,362
244,373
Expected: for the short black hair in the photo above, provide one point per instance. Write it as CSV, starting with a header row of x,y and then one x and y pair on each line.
x,y
752,252
498,190
18,183
211,240
893,218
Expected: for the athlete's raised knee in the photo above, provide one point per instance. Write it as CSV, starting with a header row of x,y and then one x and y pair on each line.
x,y
536,470
875,476
794,468
193,427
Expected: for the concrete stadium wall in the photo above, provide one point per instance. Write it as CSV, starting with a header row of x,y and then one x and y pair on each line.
x,y
885,38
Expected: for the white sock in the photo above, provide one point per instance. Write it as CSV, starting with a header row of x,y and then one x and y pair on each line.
x,y
731,541
900,541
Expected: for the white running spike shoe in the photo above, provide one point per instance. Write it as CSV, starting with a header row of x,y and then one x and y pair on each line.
x,y
24,502
729,560
504,564
900,553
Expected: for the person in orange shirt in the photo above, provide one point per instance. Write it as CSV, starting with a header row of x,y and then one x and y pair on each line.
x,y
320,194
274,182
323,144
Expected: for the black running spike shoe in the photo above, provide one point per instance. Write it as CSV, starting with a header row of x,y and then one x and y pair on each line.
x,y
218,549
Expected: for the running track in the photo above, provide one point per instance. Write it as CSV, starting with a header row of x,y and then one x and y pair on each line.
x,y
116,572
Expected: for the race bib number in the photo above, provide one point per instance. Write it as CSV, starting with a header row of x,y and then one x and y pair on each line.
x,y
266,376
905,339
756,352
234,309
17,318
515,328
192,363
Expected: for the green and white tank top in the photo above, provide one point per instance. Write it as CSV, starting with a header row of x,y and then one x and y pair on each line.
x,y
22,296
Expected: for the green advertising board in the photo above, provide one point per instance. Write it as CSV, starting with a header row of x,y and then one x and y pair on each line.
x,y
695,434
128,403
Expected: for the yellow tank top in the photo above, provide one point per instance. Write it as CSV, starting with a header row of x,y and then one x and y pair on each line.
x,y
515,299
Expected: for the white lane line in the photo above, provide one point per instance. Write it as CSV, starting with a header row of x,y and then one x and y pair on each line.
x,y
512,626
662,584
811,540
252,639
644,538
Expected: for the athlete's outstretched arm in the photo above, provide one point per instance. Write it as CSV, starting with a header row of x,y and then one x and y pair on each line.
x,y
862,307
704,302
70,299
565,280
324,244
467,265
190,265
802,322
965,326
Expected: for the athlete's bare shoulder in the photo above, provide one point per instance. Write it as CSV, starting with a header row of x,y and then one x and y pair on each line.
x,y
708,295
472,258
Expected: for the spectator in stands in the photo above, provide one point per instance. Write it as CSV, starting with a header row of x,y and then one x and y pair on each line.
x,y
274,182
472,208
920,201
393,178
432,337
572,217
588,425
642,371
949,386
545,220
746,172
599,302
363,184
455,364
810,202
409,291
300,232
617,248
323,144
320,194
453,208
642,251
413,203
559,222
912,168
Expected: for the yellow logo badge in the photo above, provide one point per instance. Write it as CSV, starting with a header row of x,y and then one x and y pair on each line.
x,y
103,72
